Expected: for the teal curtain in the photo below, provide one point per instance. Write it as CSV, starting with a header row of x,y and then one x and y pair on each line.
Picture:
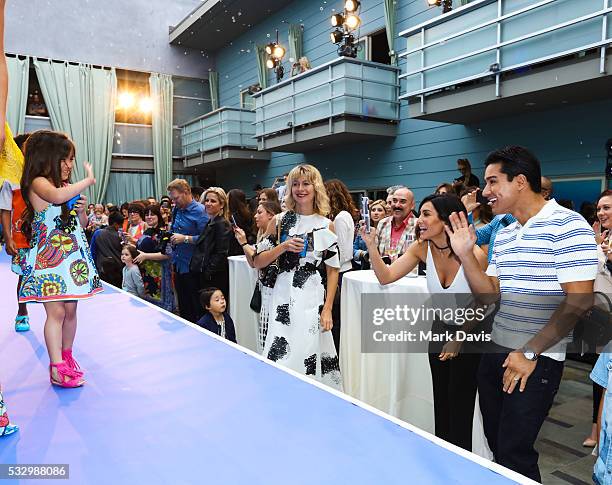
x,y
126,187
19,75
81,102
213,82
296,46
161,93
390,28
262,70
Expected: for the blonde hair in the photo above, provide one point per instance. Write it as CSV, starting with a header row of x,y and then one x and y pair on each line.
x,y
379,202
179,185
221,195
312,175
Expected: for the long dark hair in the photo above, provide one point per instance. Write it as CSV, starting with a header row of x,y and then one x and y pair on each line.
x,y
44,151
239,208
340,199
444,205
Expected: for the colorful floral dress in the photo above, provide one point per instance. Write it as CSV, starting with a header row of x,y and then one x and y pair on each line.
x,y
59,265
295,338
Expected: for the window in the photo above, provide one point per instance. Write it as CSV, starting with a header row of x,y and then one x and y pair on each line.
x,y
246,100
374,47
36,104
133,98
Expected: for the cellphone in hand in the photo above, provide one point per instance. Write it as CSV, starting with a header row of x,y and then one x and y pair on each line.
x,y
365,212
481,199
234,221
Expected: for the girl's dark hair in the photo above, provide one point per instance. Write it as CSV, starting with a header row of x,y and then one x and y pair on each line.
x,y
270,194
124,206
205,296
239,208
132,250
44,150
340,199
155,210
444,205
271,207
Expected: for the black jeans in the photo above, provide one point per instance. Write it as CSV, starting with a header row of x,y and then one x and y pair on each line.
x,y
187,293
512,422
454,390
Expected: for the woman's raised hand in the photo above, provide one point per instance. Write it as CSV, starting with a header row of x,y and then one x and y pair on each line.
x,y
240,235
469,200
368,238
462,234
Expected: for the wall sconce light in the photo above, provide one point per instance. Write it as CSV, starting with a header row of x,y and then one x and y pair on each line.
x,y
276,52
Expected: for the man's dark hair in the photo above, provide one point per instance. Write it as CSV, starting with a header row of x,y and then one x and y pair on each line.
x,y
115,217
196,192
517,160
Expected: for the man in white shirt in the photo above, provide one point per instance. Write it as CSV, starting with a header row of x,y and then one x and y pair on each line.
x,y
543,267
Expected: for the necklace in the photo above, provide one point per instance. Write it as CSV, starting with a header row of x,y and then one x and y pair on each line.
x,y
438,247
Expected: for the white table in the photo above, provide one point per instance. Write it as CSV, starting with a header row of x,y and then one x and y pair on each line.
x,y
396,383
242,279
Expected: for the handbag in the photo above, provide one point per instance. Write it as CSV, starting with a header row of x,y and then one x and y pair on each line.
x,y
255,303
594,329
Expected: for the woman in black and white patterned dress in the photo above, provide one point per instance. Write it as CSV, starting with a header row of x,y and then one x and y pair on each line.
x,y
302,244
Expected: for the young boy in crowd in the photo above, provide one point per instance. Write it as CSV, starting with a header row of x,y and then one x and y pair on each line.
x,y
132,279
216,319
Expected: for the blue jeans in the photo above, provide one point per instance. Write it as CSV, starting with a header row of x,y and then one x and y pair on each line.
x,y
512,422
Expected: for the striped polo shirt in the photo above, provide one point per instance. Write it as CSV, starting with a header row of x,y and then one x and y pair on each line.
x,y
555,246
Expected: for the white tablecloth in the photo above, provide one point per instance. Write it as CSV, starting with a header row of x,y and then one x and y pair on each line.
x,y
242,279
396,383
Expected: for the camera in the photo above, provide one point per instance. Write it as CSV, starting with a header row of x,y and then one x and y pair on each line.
x,y
164,239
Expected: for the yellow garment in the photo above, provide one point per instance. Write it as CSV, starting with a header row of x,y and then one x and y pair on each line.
x,y
11,160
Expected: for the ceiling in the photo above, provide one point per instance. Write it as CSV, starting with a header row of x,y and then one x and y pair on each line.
x,y
215,23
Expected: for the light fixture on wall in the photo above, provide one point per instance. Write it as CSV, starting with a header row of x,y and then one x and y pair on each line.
x,y
126,101
276,52
345,24
447,5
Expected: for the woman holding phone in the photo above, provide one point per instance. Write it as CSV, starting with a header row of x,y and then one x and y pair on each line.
x,y
212,246
302,246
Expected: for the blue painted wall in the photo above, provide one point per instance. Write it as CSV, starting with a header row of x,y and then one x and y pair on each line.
x,y
569,140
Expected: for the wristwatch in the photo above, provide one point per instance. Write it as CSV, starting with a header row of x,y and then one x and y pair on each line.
x,y
530,354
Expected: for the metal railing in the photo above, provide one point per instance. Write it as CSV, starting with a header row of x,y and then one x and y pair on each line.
x,y
337,88
487,38
224,127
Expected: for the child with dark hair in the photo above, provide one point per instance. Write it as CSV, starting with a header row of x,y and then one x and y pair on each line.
x,y
132,279
59,269
216,319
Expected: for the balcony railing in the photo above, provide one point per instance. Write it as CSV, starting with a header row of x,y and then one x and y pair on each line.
x,y
341,89
488,38
224,127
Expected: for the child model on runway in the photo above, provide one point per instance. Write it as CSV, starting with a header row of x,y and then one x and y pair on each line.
x,y
59,269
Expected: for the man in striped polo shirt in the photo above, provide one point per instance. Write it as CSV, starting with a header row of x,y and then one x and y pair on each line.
x,y
542,271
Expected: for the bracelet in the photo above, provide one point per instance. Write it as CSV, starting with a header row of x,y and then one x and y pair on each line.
x,y
243,245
